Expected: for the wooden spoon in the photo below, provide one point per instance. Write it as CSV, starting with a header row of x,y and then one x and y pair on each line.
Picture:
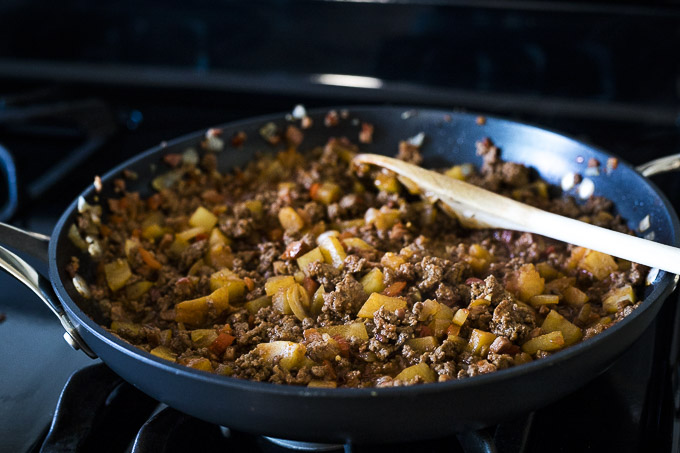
x,y
478,208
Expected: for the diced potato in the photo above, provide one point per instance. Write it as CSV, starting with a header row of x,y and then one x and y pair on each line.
x,y
547,271
317,301
599,264
280,301
195,311
164,353
574,296
479,302
440,326
203,218
203,337
544,299
421,370
552,341
291,354
392,260
618,298
217,237
387,181
347,331
187,235
254,305
273,284
308,258
193,270
130,245
357,244
178,246
332,251
383,219
373,281
445,312
198,363
153,231
226,278
137,290
316,383
346,224
460,172
255,207
584,314
126,329
117,273
290,220
326,193
556,322
423,344
559,285
461,316
410,185
480,341
577,254
298,300
430,308
526,282
479,258
453,330
375,301
76,238
461,342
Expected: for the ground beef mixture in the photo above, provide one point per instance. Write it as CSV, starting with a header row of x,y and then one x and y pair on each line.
x,y
302,269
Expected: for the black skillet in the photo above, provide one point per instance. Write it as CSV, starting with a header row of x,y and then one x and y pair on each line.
x,y
379,414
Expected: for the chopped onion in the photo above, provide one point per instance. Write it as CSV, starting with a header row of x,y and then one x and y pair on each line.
x,y
586,189
417,140
190,156
326,234
568,181
651,276
299,112
81,286
644,224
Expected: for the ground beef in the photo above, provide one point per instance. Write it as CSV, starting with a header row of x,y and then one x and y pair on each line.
x,y
512,320
230,273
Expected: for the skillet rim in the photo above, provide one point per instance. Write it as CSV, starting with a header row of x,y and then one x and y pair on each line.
x,y
663,286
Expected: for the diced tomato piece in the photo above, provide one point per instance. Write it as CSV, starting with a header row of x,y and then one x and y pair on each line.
x,y
314,190
425,331
394,289
310,286
250,284
149,259
221,343
344,346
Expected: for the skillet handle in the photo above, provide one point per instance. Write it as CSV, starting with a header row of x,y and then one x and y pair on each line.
x,y
36,245
660,165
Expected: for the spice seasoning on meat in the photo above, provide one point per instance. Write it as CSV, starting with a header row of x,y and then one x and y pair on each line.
x,y
301,270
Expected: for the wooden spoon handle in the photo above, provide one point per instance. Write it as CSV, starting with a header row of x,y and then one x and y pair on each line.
x,y
493,210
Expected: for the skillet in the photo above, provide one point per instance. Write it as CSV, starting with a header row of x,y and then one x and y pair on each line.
x,y
378,414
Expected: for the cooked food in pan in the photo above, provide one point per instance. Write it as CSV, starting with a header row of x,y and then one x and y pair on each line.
x,y
304,269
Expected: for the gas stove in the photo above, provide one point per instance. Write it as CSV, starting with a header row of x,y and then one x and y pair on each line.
x,y
109,88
